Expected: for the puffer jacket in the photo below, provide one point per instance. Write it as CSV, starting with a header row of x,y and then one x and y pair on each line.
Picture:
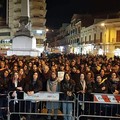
x,y
67,86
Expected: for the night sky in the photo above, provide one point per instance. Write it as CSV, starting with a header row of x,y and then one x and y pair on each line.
x,y
61,11
3,8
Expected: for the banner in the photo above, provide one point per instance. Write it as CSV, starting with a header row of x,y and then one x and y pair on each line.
x,y
106,98
43,96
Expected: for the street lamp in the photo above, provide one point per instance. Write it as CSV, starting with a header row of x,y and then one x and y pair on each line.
x,y
103,24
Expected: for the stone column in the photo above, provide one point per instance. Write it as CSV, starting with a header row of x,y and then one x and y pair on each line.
x,y
24,20
25,8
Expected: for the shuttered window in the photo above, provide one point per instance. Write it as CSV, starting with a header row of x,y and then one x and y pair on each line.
x,y
118,36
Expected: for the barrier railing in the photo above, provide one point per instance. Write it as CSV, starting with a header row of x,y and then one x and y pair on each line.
x,y
96,105
3,106
45,104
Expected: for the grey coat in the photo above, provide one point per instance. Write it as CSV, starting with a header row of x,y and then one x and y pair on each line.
x,y
53,86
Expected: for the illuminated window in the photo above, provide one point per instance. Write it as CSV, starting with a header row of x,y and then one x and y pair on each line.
x,y
118,36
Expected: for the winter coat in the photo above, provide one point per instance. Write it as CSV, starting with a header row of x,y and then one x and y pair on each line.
x,y
53,86
67,86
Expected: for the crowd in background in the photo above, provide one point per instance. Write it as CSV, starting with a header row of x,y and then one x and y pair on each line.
x,y
82,74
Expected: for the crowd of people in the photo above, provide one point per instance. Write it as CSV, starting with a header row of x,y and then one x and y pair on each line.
x,y
83,74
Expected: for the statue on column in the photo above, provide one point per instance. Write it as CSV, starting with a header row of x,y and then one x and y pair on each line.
x,y
25,24
24,27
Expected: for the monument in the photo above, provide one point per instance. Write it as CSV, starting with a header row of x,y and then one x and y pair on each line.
x,y
23,42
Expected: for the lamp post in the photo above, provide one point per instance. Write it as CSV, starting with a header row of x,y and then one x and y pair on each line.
x,y
45,43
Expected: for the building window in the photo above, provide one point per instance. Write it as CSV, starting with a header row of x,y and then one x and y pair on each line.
x,y
100,37
85,39
89,38
5,34
118,36
81,41
94,38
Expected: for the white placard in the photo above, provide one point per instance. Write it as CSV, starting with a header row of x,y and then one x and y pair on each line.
x,y
61,75
45,96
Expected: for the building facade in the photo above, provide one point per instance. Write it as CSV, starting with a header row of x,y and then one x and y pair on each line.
x,y
100,38
37,20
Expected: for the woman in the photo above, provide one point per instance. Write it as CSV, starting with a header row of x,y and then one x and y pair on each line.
x,y
4,80
15,88
53,86
82,89
81,85
114,84
68,88
100,86
33,86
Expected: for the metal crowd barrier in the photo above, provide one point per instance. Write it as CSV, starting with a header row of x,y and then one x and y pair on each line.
x,y
3,106
37,105
97,106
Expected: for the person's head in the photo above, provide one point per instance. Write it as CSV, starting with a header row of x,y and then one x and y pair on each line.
x,y
30,64
67,68
15,76
2,64
45,69
102,72
20,63
53,75
15,68
21,71
35,76
6,73
25,67
89,74
62,67
82,76
35,67
98,79
74,69
73,62
87,68
113,75
67,76
52,63
53,68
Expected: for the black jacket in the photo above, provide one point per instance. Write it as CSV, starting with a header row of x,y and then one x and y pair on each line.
x,y
67,86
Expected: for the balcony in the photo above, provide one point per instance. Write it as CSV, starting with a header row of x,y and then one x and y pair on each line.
x,y
17,7
17,1
41,1
38,20
36,4
37,12
16,15
37,26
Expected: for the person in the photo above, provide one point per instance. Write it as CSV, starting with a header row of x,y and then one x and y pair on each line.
x,y
53,86
4,80
45,76
68,89
34,86
81,89
99,86
114,84
15,88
